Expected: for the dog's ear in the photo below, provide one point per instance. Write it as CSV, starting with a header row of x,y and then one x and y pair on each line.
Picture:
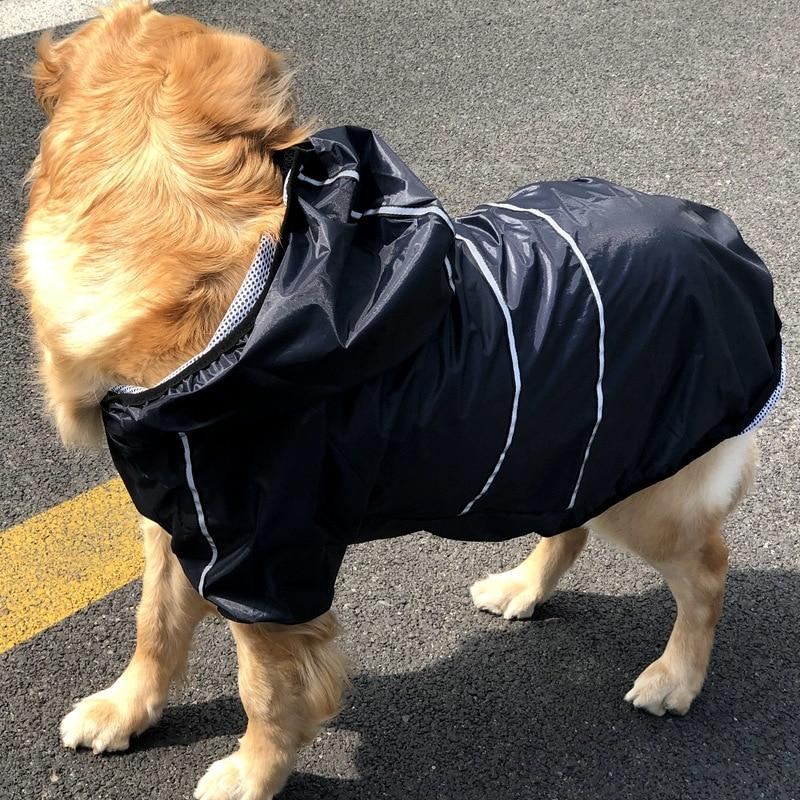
x,y
48,72
239,87
54,58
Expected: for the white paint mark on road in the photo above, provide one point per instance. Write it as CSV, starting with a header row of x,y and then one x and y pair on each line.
x,y
22,16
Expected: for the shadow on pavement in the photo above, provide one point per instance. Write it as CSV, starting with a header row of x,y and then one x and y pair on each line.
x,y
536,710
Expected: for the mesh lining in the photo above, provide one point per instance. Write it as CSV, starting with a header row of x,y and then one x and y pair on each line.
x,y
769,406
243,303
249,292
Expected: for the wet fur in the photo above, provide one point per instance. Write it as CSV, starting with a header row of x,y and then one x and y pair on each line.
x,y
153,184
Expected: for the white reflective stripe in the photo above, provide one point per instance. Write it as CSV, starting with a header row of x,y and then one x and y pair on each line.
x,y
345,173
449,267
601,347
402,211
286,187
201,517
512,346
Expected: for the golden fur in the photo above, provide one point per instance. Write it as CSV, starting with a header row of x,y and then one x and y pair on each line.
x,y
151,189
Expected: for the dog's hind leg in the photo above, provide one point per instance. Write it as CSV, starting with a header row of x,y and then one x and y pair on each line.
x,y
168,614
676,526
516,593
291,679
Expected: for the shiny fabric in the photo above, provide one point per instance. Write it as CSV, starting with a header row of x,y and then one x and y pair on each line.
x,y
521,368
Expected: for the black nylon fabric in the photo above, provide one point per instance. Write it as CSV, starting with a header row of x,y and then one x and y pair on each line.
x,y
517,369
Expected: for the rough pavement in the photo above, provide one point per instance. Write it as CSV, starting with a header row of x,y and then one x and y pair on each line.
x,y
447,703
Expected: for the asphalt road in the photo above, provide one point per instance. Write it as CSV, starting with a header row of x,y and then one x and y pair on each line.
x,y
698,99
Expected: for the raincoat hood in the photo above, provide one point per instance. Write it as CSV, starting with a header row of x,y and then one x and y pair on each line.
x,y
386,368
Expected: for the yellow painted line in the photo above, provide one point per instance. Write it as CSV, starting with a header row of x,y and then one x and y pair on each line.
x,y
61,560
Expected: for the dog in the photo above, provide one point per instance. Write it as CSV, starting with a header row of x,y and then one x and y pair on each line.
x,y
158,178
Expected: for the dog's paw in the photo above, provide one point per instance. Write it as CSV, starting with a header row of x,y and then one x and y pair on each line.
x,y
509,594
106,721
228,779
660,689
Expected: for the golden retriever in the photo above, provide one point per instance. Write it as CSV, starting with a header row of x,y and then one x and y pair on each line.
x,y
149,195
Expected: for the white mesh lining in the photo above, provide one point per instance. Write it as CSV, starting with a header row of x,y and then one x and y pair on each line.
x,y
243,303
769,406
252,286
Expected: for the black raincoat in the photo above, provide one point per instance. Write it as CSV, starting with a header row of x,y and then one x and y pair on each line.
x,y
520,368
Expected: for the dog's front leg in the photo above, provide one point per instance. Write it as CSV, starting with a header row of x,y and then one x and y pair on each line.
x,y
168,614
291,679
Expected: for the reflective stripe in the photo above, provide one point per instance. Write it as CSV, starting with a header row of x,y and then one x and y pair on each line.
x,y
402,211
512,346
345,173
285,194
601,346
449,267
201,517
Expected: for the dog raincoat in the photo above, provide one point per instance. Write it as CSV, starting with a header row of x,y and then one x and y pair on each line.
x,y
386,368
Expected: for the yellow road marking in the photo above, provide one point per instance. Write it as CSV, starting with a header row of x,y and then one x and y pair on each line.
x,y
59,561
